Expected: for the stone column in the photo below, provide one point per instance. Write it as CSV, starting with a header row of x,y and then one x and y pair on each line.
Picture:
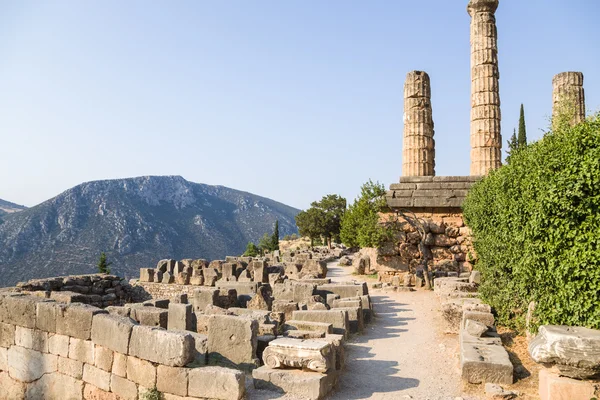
x,y
418,151
486,139
568,96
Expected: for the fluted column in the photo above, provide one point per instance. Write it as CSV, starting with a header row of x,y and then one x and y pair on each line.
x,y
568,97
418,150
486,138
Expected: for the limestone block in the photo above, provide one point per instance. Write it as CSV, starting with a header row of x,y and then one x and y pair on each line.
x,y
172,380
475,328
217,383
237,346
119,366
81,350
165,265
343,290
552,386
3,359
75,320
55,386
475,277
309,326
122,311
285,306
482,317
31,339
72,368
485,363
180,317
19,310
11,388
574,350
338,318
7,334
125,389
58,344
91,392
261,300
96,377
29,365
311,355
146,274
355,318
112,331
47,314
152,316
308,385
141,372
103,358
174,349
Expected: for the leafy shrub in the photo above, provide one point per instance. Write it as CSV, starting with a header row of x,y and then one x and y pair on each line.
x,y
251,250
536,229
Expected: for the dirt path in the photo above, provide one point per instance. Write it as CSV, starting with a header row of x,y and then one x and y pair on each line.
x,y
402,354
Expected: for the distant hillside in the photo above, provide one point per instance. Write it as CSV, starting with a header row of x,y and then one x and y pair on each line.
x,y
6,207
136,222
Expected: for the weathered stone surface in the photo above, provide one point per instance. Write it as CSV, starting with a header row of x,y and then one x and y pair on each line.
x,y
287,307
141,372
338,318
481,362
12,388
568,97
217,383
76,320
151,316
72,368
552,386
574,350
311,355
112,331
54,386
147,274
261,300
7,335
92,392
170,348
237,346
203,298
180,317
119,366
29,365
96,377
486,319
58,344
81,350
46,315
103,358
3,359
308,385
172,380
343,290
125,389
19,310
475,328
325,328
31,339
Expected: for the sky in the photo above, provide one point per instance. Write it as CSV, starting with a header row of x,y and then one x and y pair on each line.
x,y
290,100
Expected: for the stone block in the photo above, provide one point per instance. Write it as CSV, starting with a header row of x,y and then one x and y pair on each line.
x,y
237,346
309,326
308,385
552,386
119,366
28,365
141,372
180,317
172,380
338,318
175,349
204,297
475,328
47,313
103,358
355,318
81,350
7,334
54,386
19,310
158,303
152,316
112,331
70,367
485,318
146,274
121,311
123,388
92,392
475,277
485,363
3,359
313,355
58,345
248,288
31,339
96,377
217,383
75,320
343,290
11,388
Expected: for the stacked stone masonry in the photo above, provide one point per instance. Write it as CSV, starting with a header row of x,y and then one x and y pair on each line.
x,y
486,138
568,96
418,150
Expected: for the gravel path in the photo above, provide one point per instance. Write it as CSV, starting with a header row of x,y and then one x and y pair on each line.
x,y
403,354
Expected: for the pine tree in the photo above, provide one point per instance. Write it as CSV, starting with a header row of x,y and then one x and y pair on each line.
x,y
251,250
103,265
275,237
513,145
522,138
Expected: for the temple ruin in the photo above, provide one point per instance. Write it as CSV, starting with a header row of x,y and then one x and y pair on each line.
x,y
568,96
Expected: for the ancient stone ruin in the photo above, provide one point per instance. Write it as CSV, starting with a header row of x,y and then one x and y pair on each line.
x,y
568,96
187,328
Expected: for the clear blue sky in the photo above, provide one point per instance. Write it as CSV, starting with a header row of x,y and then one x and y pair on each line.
x,y
290,99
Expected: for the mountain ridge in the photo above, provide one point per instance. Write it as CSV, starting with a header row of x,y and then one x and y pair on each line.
x,y
136,221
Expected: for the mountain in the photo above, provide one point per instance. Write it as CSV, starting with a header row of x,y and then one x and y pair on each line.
x,y
6,207
137,222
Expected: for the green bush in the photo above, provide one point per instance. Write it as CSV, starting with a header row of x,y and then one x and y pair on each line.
x,y
536,230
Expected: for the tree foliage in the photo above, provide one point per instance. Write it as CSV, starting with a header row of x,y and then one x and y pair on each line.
x,y
103,265
522,138
275,237
536,229
251,250
360,224
323,218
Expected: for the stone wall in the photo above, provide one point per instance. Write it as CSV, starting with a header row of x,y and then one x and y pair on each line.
x,y
142,291
99,290
76,351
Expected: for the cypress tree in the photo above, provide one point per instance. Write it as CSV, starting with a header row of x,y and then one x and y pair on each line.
x,y
103,264
275,237
522,138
